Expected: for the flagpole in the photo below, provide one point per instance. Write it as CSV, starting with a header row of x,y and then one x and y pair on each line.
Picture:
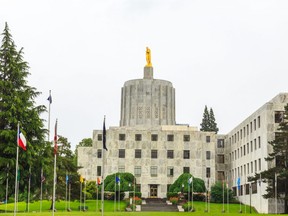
x,y
276,203
66,191
41,190
103,160
16,175
69,196
119,194
54,185
29,185
54,176
223,210
188,194
7,179
80,194
84,209
134,195
115,194
97,192
192,208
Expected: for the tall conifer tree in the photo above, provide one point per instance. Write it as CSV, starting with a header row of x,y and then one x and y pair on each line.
x,y
212,122
205,120
17,105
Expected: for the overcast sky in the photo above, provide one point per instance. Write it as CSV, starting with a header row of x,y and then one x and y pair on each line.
x,y
229,55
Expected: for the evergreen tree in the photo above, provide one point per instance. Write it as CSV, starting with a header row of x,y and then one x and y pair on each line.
x,y
205,120
279,156
17,105
212,122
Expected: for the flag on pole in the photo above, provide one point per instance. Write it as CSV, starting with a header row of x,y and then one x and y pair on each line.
x,y
104,136
42,177
55,139
117,179
21,140
67,179
81,179
190,180
50,98
238,183
98,181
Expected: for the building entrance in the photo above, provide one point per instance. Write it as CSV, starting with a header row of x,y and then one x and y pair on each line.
x,y
153,191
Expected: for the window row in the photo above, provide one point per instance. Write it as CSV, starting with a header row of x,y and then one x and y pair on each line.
x,y
246,169
251,146
245,131
154,137
154,154
154,171
245,188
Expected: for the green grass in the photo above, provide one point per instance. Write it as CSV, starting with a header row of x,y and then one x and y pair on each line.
x,y
215,209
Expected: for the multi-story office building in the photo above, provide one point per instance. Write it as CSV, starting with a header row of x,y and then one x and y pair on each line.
x,y
149,144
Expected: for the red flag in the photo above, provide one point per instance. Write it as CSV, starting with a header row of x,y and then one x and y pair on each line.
x,y
55,139
21,140
98,181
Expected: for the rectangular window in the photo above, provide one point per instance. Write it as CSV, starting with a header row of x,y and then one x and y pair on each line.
x,y
138,137
186,138
279,116
259,122
247,129
255,126
255,165
99,153
168,186
247,148
259,142
259,164
241,134
244,131
221,175
251,128
244,150
122,137
99,171
99,137
220,158
251,144
154,137
247,168
137,171
241,151
170,137
138,153
208,139
121,153
121,169
170,154
153,171
208,155
154,154
220,143
138,188
186,169
208,172
251,167
255,144
170,171
254,187
186,154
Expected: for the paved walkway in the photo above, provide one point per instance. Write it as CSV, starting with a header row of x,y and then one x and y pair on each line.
x,y
158,205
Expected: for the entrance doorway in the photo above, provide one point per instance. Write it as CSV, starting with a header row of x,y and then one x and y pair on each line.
x,y
153,191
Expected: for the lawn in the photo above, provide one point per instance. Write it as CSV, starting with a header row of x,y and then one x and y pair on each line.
x,y
215,209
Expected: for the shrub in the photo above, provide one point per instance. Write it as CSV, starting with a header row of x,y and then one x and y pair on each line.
x,y
174,200
172,194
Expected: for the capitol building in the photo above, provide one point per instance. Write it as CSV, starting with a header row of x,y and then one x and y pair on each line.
x,y
150,144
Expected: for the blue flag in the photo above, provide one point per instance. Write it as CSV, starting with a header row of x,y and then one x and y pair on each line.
x,y
117,179
67,179
238,183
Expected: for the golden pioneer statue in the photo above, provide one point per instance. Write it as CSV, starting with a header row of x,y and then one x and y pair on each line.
x,y
148,57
